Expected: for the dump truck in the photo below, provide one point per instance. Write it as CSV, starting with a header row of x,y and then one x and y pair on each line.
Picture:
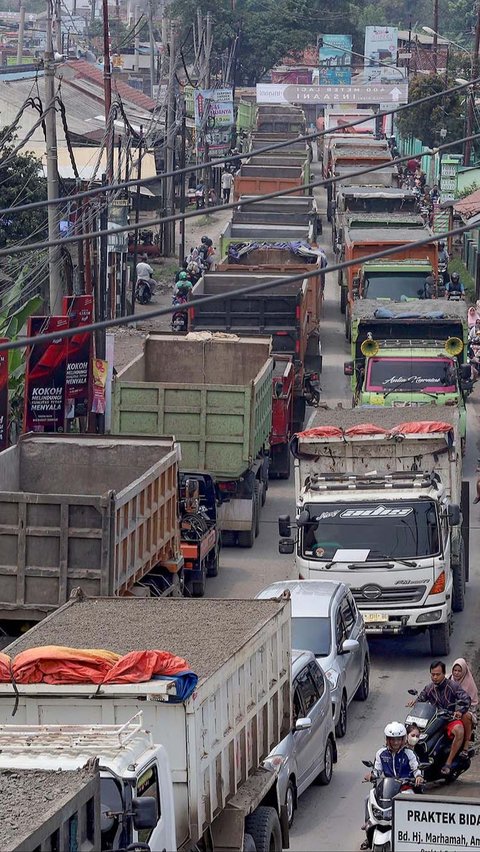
x,y
410,353
343,159
381,506
86,510
250,227
282,313
212,742
260,180
282,417
41,806
359,243
280,119
215,391
294,210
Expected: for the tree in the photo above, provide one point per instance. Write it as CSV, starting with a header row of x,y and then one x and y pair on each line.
x,y
425,121
22,182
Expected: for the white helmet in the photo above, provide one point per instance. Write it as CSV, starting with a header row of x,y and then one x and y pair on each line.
x,y
395,729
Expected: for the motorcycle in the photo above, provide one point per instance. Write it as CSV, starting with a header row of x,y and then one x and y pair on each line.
x,y
311,389
455,296
143,291
433,746
179,321
379,805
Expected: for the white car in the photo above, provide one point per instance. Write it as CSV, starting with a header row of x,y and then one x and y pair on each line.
x,y
309,750
326,621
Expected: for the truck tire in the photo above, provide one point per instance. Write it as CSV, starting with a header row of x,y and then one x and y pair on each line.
x,y
440,640
249,843
198,588
257,507
458,590
264,826
212,569
246,538
343,299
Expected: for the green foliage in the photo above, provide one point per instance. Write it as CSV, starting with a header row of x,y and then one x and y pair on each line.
x,y
425,121
22,182
467,190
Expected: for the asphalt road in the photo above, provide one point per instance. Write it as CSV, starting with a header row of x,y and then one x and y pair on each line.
x,y
330,818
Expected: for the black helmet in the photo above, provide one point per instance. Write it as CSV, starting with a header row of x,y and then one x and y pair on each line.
x,y
204,240
441,246
455,277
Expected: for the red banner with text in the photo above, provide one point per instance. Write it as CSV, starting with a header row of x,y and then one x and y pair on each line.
x,y
3,398
44,409
79,310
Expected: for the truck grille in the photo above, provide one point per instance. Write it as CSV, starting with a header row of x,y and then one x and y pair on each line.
x,y
374,594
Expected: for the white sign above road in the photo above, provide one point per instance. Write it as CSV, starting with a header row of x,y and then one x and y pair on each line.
x,y
433,824
371,93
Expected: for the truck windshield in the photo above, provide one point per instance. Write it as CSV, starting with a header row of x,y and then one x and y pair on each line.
x,y
394,285
312,634
430,375
377,529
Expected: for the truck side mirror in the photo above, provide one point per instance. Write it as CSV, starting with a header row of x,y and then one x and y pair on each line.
x,y
284,526
303,518
454,515
144,812
286,545
348,368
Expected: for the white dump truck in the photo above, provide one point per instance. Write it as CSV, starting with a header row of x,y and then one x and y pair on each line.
x,y
381,507
215,740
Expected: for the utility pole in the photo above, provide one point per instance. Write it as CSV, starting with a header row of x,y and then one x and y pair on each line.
x,y
467,151
170,134
136,48
21,29
182,249
53,191
137,218
435,36
152,46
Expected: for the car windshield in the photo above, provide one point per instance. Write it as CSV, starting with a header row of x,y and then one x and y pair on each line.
x,y
378,530
312,634
394,285
404,374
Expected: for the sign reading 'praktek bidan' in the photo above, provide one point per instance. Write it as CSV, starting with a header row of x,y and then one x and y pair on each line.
x,y
435,824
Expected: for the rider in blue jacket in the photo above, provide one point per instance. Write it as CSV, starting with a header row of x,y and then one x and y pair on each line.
x,y
396,760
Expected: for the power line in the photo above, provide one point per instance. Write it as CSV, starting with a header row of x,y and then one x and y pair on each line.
x,y
266,149
215,209
241,291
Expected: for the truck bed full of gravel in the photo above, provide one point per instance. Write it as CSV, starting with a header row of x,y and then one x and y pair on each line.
x,y
386,418
29,797
205,632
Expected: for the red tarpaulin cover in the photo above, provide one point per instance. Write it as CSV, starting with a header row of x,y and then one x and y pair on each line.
x,y
413,427
56,664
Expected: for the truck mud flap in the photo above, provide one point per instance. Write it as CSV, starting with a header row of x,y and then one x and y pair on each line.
x,y
465,507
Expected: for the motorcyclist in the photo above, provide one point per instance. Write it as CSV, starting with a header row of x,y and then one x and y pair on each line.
x,y
144,272
454,286
444,693
183,286
395,760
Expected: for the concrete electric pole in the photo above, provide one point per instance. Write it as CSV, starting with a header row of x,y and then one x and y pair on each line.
x,y
54,252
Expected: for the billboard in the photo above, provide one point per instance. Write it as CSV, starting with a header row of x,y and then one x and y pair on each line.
x,y
359,93
44,408
214,117
79,310
381,44
3,397
335,59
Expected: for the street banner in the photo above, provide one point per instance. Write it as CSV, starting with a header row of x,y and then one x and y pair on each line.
x,y
3,397
44,408
335,59
381,45
100,373
368,94
214,118
79,310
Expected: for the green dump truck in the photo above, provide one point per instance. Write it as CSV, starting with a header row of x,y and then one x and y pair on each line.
x,y
215,393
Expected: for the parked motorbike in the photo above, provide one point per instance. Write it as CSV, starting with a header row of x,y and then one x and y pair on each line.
x,y
311,389
143,291
378,825
433,746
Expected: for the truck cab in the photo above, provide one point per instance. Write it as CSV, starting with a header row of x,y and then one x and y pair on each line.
x,y
391,280
136,788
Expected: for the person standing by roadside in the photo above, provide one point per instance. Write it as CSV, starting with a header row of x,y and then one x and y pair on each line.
x,y
227,182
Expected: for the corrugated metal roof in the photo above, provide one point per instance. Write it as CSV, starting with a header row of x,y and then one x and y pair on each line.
x,y
94,74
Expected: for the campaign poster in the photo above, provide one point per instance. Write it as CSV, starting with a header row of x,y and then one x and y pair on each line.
x,y
381,45
79,310
335,59
3,397
44,409
214,117
100,374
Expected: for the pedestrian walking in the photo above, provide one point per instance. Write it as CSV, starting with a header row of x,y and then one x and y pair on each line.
x,y
227,181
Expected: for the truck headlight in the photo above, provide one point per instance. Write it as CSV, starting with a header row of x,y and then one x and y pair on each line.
x,y
429,616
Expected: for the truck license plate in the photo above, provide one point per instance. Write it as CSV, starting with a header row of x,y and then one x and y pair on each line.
x,y
371,617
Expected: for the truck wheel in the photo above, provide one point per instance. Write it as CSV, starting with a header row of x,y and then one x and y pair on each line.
x,y
257,505
440,640
249,843
286,458
264,827
458,593
198,588
348,330
212,569
343,299
246,538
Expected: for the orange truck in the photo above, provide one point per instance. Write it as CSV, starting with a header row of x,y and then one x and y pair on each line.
x,y
396,269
